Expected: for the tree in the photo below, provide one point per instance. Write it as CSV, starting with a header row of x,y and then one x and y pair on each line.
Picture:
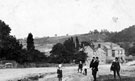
x,y
81,56
4,29
59,54
131,50
10,48
66,52
77,43
30,42
33,55
72,43
96,31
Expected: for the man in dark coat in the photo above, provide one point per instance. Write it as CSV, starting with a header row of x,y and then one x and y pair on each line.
x,y
92,61
115,67
95,68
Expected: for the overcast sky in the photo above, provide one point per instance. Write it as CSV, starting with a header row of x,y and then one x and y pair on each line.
x,y
49,17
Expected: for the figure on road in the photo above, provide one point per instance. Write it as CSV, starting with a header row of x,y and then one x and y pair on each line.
x,y
92,61
95,68
115,67
85,69
59,72
80,67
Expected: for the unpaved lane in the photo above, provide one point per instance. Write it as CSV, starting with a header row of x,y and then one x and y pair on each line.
x,y
70,75
14,74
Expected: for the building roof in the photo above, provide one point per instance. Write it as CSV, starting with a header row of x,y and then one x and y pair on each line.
x,y
110,45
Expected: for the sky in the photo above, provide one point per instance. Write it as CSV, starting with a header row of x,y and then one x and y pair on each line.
x,y
49,17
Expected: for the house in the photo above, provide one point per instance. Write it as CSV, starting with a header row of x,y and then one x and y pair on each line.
x,y
95,53
113,50
106,51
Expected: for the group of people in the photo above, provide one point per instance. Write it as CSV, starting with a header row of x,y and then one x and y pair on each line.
x,y
93,65
115,67
82,68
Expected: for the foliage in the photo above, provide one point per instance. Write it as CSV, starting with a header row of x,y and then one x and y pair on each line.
x,y
126,35
10,48
30,42
4,29
124,38
80,56
69,45
59,54
77,43
131,50
66,52
33,55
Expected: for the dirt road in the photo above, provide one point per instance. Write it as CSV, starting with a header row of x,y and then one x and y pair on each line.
x,y
49,73
71,75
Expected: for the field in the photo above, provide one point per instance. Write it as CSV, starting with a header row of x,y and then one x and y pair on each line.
x,y
69,74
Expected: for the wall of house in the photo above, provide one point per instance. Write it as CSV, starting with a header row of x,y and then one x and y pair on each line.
x,y
98,53
89,52
101,54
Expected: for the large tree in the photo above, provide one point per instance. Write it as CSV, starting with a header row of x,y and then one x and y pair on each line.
x,y
10,48
59,54
66,52
4,29
69,45
30,42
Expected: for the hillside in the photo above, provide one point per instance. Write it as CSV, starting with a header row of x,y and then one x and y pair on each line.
x,y
126,35
46,43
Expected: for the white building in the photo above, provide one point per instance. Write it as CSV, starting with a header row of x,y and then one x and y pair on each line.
x,y
106,51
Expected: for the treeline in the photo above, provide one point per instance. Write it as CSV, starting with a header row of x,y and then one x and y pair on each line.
x,y
126,35
68,52
11,49
125,38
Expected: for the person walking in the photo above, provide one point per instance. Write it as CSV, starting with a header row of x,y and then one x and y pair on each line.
x,y
80,67
91,63
95,68
115,67
59,72
85,69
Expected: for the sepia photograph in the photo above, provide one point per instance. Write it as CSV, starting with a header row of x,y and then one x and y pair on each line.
x,y
67,40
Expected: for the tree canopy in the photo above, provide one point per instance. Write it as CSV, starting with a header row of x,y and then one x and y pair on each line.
x,y
66,52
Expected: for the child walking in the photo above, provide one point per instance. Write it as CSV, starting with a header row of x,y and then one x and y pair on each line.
x,y
85,70
59,73
80,67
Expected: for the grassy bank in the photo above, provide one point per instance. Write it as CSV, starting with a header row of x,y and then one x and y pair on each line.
x,y
111,78
38,65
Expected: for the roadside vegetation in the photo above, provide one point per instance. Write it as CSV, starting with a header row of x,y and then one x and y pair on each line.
x,y
69,51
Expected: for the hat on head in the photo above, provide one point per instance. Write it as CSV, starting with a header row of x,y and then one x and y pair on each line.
x,y
60,65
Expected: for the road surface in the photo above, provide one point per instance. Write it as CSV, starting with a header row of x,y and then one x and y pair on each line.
x,y
69,73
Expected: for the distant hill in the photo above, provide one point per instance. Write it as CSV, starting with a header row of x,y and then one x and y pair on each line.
x,y
46,43
126,35
61,39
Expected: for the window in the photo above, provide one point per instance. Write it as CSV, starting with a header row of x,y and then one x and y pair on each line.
x,y
113,53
